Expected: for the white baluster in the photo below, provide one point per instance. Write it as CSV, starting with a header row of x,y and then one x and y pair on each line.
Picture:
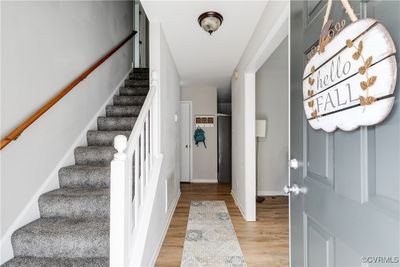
x,y
150,115
136,181
142,174
147,166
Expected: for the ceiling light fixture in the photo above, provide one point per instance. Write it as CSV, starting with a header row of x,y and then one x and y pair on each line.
x,y
210,21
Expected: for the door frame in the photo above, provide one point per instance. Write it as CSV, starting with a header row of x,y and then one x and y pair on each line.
x,y
191,134
279,31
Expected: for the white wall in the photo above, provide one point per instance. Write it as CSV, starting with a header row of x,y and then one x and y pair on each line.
x,y
272,105
168,188
204,102
44,46
271,29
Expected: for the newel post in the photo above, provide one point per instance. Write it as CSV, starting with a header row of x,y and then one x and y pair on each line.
x,y
118,204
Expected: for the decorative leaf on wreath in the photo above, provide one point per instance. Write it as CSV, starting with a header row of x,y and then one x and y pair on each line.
x,y
311,81
360,47
311,103
368,62
371,81
322,43
364,85
310,92
314,114
362,70
356,55
364,101
312,70
349,43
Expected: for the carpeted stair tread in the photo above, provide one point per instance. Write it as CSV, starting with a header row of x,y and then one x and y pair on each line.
x,y
57,262
140,70
123,111
133,82
115,123
76,203
94,155
123,100
133,91
139,75
63,237
104,138
84,176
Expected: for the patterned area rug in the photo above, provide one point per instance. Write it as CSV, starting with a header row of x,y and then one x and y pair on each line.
x,y
210,237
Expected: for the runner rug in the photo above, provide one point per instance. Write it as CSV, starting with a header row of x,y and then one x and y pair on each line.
x,y
210,237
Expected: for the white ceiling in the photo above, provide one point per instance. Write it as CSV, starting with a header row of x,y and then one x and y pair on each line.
x,y
201,59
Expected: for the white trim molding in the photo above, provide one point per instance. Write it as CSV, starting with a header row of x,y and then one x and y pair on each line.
x,y
204,181
270,193
237,203
250,144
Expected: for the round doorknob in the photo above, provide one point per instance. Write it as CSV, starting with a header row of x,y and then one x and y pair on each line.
x,y
295,189
294,164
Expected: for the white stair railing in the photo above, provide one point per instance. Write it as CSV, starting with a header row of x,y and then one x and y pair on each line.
x,y
131,174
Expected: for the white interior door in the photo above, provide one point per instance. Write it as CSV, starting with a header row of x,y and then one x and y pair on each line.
x,y
136,39
186,137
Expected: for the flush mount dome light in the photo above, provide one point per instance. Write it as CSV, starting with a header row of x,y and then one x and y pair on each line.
x,y
210,21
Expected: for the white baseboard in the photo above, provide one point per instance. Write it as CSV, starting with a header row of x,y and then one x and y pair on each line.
x,y
237,203
165,230
31,210
204,181
270,193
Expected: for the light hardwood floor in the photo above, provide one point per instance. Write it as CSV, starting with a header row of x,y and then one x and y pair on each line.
x,y
264,242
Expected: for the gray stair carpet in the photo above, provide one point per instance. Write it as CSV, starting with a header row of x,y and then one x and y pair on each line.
x,y
73,228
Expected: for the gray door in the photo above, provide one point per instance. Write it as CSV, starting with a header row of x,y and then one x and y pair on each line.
x,y
351,209
224,149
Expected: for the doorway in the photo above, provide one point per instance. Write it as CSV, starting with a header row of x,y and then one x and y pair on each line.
x,y
186,141
272,123
224,150
272,148
141,40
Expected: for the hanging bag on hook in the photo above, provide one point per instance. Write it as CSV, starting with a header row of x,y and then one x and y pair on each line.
x,y
350,81
200,137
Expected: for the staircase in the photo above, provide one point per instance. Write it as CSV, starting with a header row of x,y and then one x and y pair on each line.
x,y
74,224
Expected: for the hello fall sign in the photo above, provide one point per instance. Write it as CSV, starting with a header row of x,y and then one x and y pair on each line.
x,y
350,82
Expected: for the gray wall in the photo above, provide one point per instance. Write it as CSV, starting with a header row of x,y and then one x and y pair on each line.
x,y
204,102
44,46
272,105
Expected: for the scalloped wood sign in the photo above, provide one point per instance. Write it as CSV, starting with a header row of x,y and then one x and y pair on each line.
x,y
351,81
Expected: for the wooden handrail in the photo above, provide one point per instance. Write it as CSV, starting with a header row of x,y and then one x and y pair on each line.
x,y
18,130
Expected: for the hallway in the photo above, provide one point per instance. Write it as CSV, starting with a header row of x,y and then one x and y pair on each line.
x,y
264,243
